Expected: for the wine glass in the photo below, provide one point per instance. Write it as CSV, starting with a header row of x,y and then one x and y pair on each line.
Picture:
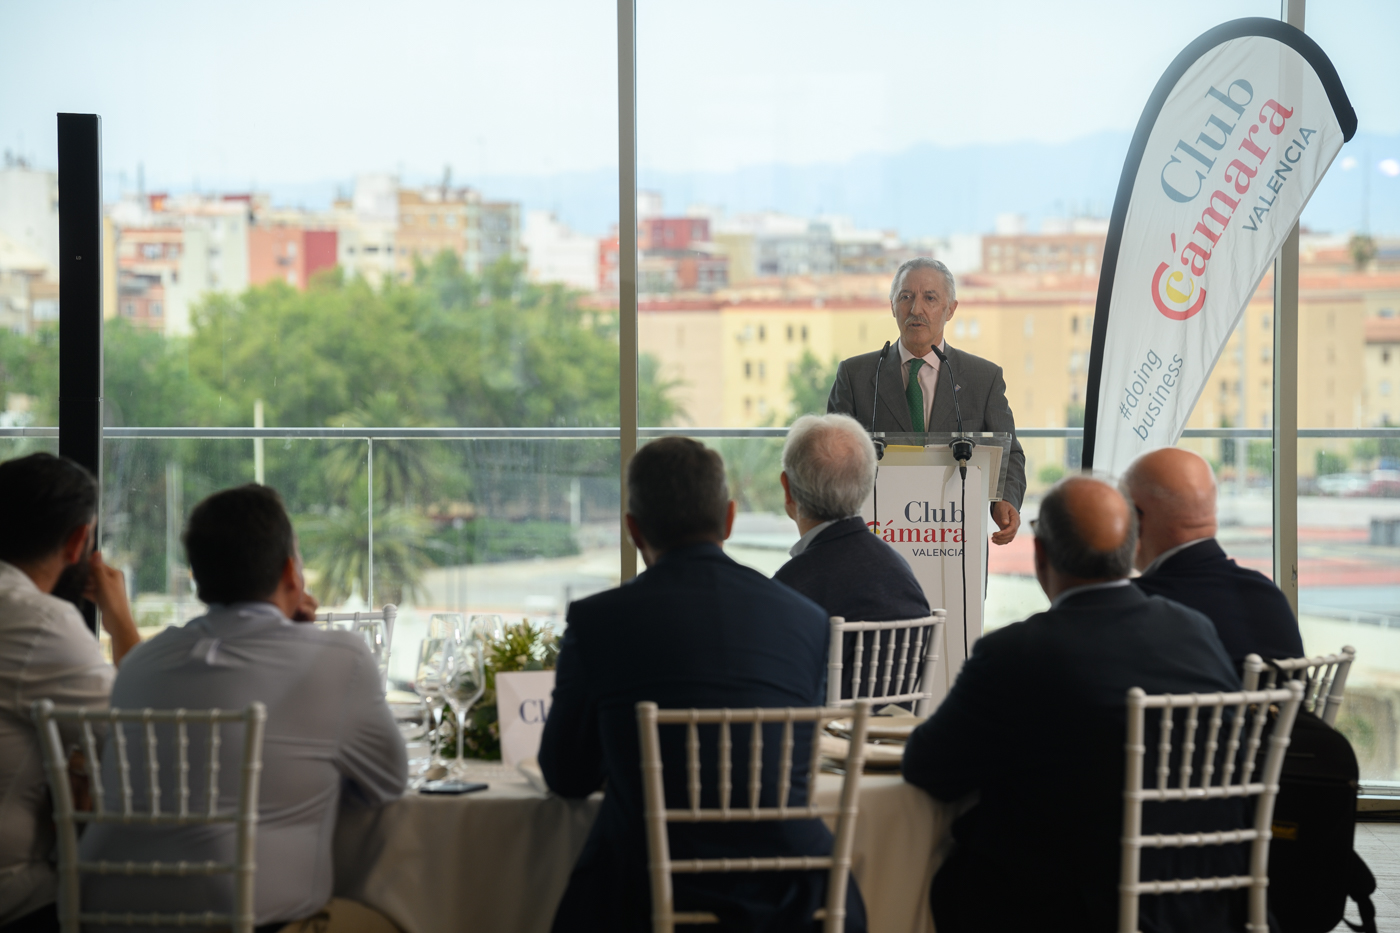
x,y
486,627
465,687
430,681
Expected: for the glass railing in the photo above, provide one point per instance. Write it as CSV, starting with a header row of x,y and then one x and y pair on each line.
x,y
520,521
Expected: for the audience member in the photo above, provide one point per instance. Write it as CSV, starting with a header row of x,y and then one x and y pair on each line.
x,y
1035,726
327,723
1174,491
48,506
694,630
828,473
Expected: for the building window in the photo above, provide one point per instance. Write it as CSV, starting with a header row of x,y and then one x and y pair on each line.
x,y
974,327
1385,387
1385,355
1074,325
804,332
762,370
789,332
748,369
129,308
155,309
1030,326
959,328
762,333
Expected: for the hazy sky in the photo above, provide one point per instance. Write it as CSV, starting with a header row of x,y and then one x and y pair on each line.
x,y
304,92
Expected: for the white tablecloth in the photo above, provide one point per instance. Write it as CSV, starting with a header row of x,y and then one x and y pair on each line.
x,y
499,860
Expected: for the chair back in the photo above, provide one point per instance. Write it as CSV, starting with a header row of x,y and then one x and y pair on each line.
x,y
657,815
243,817
376,627
1227,772
1324,679
892,663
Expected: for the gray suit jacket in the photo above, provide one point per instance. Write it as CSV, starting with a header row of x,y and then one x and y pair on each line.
x,y
982,393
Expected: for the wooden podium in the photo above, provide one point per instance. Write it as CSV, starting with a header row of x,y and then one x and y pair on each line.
x,y
921,508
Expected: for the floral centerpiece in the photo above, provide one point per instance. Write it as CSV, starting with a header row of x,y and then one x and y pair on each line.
x,y
519,647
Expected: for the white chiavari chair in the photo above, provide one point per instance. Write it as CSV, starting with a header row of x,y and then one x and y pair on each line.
x,y
892,663
1324,679
368,625
660,864
1223,774
243,817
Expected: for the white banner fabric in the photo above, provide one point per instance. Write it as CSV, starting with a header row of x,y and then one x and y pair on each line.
x,y
1236,152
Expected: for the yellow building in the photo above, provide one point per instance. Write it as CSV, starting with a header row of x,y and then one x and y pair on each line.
x,y
732,355
1383,370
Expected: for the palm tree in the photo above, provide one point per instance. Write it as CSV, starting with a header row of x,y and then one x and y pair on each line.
x,y
404,471
335,544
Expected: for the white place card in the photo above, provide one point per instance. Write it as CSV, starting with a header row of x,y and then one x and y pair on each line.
x,y
522,703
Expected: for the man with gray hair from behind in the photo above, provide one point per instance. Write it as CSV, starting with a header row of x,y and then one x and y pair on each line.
x,y
828,473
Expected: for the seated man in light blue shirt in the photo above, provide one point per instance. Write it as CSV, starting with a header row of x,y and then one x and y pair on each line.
x,y
327,722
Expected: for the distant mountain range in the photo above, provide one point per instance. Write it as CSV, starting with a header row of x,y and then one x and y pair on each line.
x,y
926,190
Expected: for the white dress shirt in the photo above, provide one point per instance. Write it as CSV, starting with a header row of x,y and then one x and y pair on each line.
x,y
46,652
928,374
806,540
327,726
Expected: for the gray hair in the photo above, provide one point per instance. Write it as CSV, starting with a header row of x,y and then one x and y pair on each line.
x,y
830,466
922,262
1065,546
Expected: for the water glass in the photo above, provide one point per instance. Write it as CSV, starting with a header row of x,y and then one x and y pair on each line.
x,y
430,681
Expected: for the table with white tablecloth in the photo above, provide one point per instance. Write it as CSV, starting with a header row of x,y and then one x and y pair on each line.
x,y
499,860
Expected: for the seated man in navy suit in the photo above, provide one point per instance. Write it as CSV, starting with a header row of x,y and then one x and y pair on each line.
x,y
1174,491
1035,725
694,630
828,472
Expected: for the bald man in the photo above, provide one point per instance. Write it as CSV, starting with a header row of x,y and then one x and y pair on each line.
x,y
1035,726
1174,491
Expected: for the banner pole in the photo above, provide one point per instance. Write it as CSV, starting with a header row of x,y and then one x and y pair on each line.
x,y
1285,420
627,260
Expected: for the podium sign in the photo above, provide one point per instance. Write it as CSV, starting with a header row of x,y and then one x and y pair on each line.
x,y
917,508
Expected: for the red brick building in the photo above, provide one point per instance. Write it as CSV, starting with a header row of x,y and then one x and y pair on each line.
x,y
289,254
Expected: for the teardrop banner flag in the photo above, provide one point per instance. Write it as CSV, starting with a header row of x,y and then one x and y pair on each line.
x,y
1233,141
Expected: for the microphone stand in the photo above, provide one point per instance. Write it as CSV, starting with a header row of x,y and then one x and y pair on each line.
x,y
962,452
879,442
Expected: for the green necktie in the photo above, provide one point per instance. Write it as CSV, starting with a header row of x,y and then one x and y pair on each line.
x,y
915,395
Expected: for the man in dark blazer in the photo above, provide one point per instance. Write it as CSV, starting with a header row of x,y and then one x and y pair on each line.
x,y
1035,725
923,298
694,630
828,472
1174,491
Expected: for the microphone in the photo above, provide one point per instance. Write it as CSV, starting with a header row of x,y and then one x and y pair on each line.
x,y
879,442
962,445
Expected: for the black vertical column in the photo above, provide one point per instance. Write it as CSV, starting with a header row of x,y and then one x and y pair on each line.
x,y
80,295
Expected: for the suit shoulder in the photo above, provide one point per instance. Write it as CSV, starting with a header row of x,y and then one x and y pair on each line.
x,y
862,361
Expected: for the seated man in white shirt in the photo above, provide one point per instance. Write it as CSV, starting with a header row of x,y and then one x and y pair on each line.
x,y
48,507
327,725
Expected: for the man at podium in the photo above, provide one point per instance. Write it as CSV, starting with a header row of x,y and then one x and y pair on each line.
x,y
916,385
